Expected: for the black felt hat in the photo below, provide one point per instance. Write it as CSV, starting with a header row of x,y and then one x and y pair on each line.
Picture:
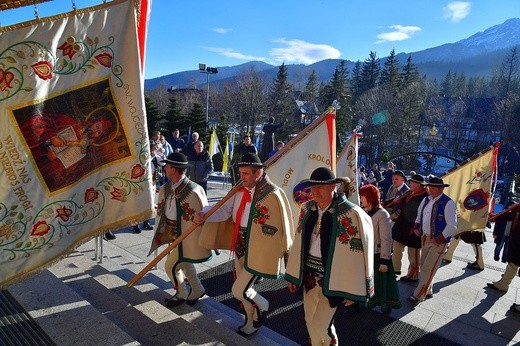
x,y
177,160
399,173
250,160
417,178
436,182
321,176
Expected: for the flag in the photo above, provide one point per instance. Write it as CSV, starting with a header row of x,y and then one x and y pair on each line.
x,y
313,147
231,145
214,144
348,166
74,151
142,28
225,161
470,187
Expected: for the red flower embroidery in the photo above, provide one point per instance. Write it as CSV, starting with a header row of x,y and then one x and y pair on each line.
x,y
104,59
117,194
346,230
137,171
63,213
189,213
43,69
5,80
67,48
91,195
260,214
40,229
343,238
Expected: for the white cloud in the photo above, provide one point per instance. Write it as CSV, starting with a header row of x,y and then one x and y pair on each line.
x,y
398,33
231,53
457,11
298,51
221,30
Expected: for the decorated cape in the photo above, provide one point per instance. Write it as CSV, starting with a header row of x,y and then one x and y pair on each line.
x,y
189,198
349,265
269,231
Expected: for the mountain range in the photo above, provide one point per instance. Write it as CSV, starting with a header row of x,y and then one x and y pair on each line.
x,y
477,55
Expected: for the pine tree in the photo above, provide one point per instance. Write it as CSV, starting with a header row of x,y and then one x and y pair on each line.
x,y
197,121
281,102
310,93
153,118
390,77
410,73
370,72
173,117
357,84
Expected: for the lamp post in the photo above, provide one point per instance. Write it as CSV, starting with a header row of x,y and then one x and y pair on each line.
x,y
207,70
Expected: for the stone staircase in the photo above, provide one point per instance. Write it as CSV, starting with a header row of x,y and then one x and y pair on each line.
x,y
81,301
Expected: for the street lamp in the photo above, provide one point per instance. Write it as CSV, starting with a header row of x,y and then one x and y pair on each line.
x,y
207,70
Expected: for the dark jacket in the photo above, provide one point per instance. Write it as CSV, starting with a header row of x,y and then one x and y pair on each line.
x,y
201,165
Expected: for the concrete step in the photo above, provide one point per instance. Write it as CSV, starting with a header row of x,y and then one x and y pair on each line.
x,y
82,301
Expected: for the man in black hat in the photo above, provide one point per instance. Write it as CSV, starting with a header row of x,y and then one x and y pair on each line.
x,y
397,189
402,231
179,199
332,256
435,223
256,225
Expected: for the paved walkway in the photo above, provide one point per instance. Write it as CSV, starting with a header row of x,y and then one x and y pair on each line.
x,y
462,309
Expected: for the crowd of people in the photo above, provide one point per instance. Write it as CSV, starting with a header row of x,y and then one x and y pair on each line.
x,y
332,240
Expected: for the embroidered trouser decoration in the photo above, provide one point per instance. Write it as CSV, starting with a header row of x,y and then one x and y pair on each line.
x,y
319,317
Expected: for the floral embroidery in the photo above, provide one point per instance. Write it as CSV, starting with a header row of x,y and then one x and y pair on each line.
x,y
260,214
137,171
41,228
5,80
104,59
43,69
117,194
63,213
91,195
299,229
188,213
347,232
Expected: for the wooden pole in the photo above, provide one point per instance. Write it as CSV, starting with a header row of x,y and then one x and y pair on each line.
x,y
177,241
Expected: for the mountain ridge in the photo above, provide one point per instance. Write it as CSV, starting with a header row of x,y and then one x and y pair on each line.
x,y
477,55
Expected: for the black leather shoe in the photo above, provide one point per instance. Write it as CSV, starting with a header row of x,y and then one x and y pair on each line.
x,y
137,229
244,334
407,279
474,266
492,286
109,236
147,226
515,308
261,318
446,261
174,301
193,301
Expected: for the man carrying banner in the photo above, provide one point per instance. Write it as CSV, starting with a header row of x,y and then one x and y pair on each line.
x,y
332,257
436,222
179,199
256,225
402,231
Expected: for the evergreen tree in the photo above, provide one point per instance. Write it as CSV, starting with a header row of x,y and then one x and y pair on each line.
x,y
390,77
153,118
339,88
447,84
310,93
281,102
370,72
173,117
410,73
357,84
197,120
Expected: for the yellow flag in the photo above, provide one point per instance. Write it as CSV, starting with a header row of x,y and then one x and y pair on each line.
x,y
226,157
213,144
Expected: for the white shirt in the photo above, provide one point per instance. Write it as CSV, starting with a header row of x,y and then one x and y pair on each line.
x,y
170,209
230,208
315,246
450,215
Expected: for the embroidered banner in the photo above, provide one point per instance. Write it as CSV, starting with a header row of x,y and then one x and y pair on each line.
x,y
471,189
348,166
74,152
314,147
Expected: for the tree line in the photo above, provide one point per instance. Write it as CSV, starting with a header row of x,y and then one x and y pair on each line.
x,y
394,106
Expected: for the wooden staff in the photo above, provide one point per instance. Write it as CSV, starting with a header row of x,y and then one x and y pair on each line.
x,y
184,234
494,217
396,200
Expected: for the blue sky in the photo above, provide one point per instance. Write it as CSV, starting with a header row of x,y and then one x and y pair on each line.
x,y
184,33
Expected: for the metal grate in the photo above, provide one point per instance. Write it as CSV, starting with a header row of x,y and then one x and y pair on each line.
x,y
17,327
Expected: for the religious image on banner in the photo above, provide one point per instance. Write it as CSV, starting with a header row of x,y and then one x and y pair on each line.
x,y
72,134
74,148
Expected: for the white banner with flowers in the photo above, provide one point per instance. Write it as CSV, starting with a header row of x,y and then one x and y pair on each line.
x,y
74,153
